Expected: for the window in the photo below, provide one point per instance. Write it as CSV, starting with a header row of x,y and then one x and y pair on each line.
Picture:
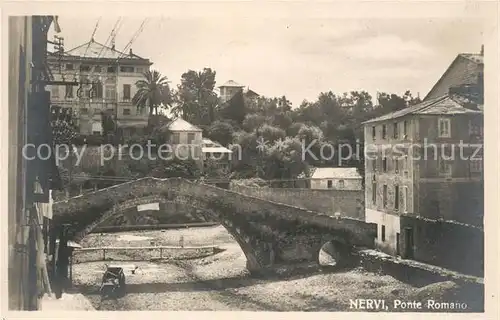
x,y
126,69
69,66
405,199
445,168
86,91
405,129
69,91
96,128
384,196
395,130
444,128
97,89
330,184
383,233
384,131
84,68
396,197
98,69
374,193
126,112
139,70
396,164
476,166
341,184
176,138
84,110
126,92
110,92
55,92
374,133
190,137
111,69
374,165
475,129
384,164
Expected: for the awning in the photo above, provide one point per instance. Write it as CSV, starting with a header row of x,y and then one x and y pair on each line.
x,y
134,124
215,150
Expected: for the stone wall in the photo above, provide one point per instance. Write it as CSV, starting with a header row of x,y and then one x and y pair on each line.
x,y
348,203
450,245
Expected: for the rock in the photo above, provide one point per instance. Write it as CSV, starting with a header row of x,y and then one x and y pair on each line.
x,y
397,291
446,290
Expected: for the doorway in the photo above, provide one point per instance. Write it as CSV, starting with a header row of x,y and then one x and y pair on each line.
x,y
408,248
397,245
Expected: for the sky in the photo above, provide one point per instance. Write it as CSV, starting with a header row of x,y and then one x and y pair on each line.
x,y
293,55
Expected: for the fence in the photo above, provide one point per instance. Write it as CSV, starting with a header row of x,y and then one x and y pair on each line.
x,y
144,253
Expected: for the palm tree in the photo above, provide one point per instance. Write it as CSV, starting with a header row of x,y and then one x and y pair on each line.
x,y
152,92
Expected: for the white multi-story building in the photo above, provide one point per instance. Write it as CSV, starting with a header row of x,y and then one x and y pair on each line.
x,y
106,81
229,89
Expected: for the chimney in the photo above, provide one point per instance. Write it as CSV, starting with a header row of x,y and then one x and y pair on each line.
x,y
131,51
482,49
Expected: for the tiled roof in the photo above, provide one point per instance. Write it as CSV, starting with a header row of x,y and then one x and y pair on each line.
x,y
478,58
250,92
98,50
207,142
232,83
337,173
215,150
458,73
180,124
442,105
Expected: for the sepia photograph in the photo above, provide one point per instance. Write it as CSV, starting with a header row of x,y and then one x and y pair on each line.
x,y
242,161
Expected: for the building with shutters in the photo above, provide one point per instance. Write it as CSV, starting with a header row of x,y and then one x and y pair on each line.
x,y
424,175
106,81
31,177
340,178
230,88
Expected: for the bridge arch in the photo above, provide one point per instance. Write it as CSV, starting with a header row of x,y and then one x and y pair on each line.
x,y
241,238
335,251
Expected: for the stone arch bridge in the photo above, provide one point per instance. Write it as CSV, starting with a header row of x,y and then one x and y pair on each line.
x,y
270,234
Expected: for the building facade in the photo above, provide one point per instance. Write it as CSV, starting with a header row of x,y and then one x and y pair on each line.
x,y
217,154
30,178
466,69
336,179
185,140
424,161
105,80
231,88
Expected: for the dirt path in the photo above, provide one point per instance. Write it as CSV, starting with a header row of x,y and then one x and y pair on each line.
x,y
221,282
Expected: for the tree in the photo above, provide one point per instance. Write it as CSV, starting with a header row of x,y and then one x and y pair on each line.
x,y
254,121
270,133
176,168
152,92
283,160
234,109
284,104
63,123
222,132
214,171
196,99
108,124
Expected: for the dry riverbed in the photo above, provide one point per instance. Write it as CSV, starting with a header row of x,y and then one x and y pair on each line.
x,y
221,282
